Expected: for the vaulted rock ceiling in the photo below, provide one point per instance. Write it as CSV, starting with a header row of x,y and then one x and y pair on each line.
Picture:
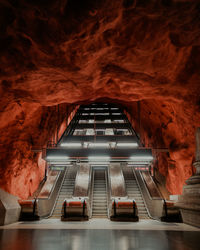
x,y
73,51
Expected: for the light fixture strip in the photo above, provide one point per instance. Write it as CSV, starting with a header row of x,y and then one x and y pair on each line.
x,y
57,157
71,144
99,144
127,144
143,158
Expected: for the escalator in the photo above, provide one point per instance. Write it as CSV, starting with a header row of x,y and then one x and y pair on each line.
x,y
134,192
99,201
66,190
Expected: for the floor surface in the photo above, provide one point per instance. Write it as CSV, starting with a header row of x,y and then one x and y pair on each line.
x,y
98,234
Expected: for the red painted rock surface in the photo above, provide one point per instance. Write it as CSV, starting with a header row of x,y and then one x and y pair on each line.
x,y
64,52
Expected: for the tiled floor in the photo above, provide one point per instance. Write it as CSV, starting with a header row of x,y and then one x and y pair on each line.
x,y
98,234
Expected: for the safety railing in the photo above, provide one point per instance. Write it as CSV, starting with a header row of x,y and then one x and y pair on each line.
x,y
47,200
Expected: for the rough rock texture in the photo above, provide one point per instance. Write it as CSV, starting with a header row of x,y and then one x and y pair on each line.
x,y
73,51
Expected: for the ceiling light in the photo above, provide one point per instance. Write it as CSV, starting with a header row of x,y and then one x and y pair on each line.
x,y
60,162
57,157
71,144
99,145
120,121
142,158
142,163
61,165
127,144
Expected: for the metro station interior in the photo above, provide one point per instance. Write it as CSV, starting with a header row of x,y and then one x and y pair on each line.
x,y
100,125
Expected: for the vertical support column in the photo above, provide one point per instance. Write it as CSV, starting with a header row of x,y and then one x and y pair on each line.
x,y
189,201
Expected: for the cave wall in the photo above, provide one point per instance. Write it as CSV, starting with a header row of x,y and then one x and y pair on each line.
x,y
22,167
169,126
64,52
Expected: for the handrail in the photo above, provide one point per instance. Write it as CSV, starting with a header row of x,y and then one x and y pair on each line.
x,y
106,179
91,193
108,192
52,188
154,198
46,217
154,206
141,191
34,206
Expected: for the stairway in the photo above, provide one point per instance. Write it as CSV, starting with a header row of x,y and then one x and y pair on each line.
x,y
99,202
66,190
133,191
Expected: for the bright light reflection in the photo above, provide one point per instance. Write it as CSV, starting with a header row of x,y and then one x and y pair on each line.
x,y
99,145
127,144
60,163
73,145
142,158
57,157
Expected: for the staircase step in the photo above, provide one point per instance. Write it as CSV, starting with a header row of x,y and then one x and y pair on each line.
x,y
66,191
134,192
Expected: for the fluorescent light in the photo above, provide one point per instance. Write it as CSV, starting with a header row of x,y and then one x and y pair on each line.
x,y
141,163
99,158
119,121
57,157
61,165
127,144
99,145
60,162
71,144
142,158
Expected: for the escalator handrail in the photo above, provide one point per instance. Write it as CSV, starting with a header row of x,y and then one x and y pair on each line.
x,y
142,193
107,186
66,171
150,197
91,193
147,191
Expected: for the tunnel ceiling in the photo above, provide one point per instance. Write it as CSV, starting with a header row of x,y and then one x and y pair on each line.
x,y
74,51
